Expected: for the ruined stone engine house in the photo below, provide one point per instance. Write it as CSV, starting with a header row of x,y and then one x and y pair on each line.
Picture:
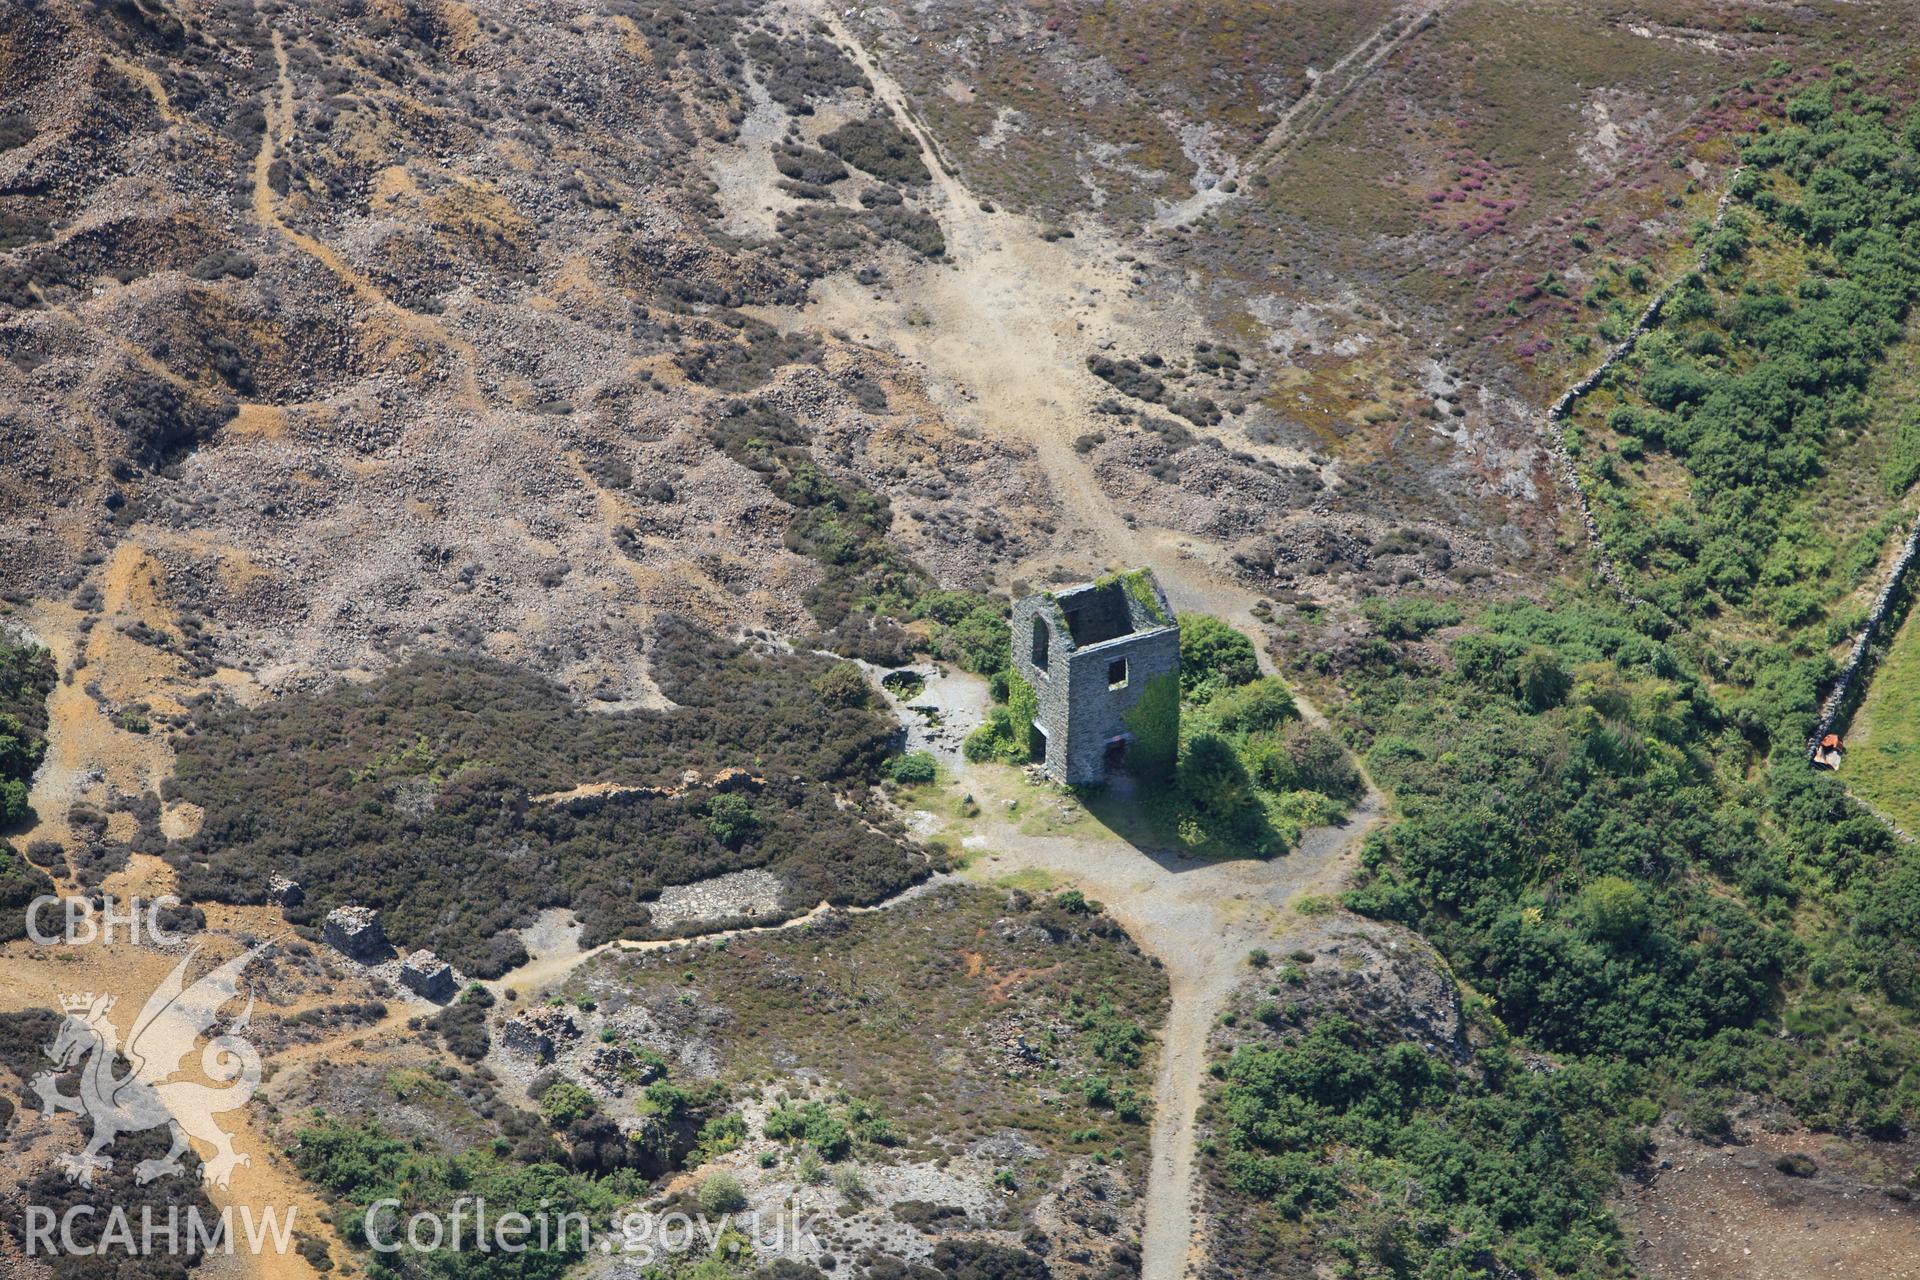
x,y
1089,652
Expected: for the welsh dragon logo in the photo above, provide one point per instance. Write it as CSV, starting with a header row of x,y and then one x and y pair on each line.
x,y
147,1096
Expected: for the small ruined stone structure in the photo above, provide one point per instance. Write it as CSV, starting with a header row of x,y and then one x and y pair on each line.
x,y
428,976
356,933
1090,652
538,1032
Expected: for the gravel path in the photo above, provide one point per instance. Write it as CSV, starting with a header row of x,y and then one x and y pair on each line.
x,y
1001,333
1200,918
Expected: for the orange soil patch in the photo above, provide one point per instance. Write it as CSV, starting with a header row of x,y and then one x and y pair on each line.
x,y
80,737
259,421
998,984
998,990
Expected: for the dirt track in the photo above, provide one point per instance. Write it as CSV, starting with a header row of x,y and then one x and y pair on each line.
x,y
1001,336
1200,918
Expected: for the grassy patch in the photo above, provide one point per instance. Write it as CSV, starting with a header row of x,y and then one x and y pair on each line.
x,y
1031,880
1883,745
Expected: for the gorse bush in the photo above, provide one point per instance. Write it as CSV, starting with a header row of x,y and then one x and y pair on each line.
x,y
26,678
816,1124
913,767
1262,705
731,819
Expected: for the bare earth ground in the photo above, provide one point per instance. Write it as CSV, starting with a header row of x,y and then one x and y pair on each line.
x,y
1725,1213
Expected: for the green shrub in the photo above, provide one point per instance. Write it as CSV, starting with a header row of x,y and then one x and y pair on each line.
x,y
913,767
1213,655
880,148
842,685
1007,735
812,1122
1615,909
1320,763
720,1193
668,1099
1264,704
1409,617
1111,1036
564,1104
731,819
1213,777
723,1133
998,740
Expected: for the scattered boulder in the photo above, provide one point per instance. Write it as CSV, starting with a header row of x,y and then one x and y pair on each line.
x,y
427,975
537,1032
1797,1164
356,933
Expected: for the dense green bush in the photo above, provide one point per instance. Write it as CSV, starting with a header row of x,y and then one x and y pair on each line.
x,y
1262,705
842,685
1213,655
818,1125
26,678
913,767
731,818
1479,1171
879,148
